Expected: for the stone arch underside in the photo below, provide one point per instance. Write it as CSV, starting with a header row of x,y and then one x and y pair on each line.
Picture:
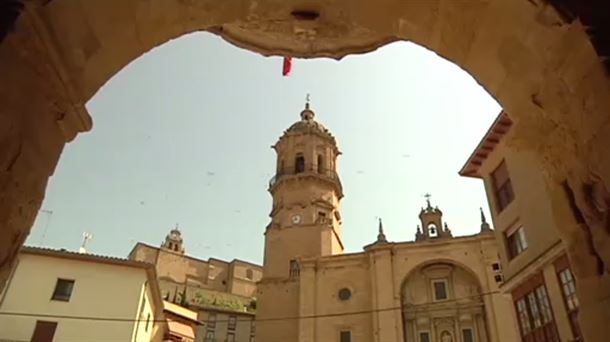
x,y
543,71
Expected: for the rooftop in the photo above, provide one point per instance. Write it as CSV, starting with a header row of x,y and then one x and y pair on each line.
x,y
63,253
211,259
487,145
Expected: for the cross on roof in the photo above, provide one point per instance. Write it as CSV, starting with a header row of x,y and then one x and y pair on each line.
x,y
427,196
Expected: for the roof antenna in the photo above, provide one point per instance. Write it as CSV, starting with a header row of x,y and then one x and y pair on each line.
x,y
86,238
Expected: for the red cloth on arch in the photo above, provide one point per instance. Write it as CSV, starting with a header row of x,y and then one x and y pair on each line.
x,y
287,67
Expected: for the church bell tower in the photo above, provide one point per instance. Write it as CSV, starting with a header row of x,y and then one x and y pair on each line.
x,y
306,191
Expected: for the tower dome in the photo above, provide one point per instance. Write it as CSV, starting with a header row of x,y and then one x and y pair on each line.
x,y
308,124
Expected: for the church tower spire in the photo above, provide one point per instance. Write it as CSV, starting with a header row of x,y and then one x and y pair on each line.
x,y
306,191
173,241
484,225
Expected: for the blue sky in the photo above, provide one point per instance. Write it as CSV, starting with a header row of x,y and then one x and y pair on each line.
x,y
183,135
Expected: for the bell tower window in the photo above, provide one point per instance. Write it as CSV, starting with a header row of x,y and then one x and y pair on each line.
x,y
295,269
299,164
320,164
432,230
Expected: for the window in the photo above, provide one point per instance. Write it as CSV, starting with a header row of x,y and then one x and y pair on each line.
x,y
321,217
232,322
534,312
467,335
502,187
63,290
320,164
295,270
44,331
345,336
432,230
424,337
230,337
209,336
545,306
299,164
345,294
517,243
568,289
524,319
440,290
495,266
212,321
249,274
533,305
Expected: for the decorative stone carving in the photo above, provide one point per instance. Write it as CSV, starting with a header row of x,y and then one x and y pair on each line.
x,y
446,336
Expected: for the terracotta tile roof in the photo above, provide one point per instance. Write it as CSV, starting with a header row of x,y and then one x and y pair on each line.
x,y
63,253
493,136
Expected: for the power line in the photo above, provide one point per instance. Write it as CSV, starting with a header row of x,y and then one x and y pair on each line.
x,y
199,323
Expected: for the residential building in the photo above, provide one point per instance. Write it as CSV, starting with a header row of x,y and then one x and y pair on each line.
x,y
536,270
438,288
182,323
57,295
223,325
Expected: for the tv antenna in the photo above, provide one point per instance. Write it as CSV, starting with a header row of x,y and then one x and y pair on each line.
x,y
86,238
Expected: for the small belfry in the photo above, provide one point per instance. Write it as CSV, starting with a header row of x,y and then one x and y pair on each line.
x,y
173,241
432,226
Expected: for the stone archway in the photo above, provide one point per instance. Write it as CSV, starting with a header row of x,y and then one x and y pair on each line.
x,y
438,318
543,69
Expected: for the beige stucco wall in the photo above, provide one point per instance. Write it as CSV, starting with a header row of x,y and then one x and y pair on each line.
x,y
535,207
144,332
531,207
100,290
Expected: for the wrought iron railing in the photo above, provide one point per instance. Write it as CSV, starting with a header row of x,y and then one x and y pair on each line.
x,y
305,171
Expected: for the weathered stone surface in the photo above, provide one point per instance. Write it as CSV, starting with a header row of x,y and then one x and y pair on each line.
x,y
544,72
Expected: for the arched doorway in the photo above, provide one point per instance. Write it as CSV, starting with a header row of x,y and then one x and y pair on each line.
x,y
443,302
540,65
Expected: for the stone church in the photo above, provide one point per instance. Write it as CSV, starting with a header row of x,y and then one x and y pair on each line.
x,y
438,288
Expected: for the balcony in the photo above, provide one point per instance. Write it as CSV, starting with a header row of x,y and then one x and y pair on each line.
x,y
307,171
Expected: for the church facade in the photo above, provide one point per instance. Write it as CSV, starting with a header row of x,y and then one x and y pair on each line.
x,y
438,288
221,292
